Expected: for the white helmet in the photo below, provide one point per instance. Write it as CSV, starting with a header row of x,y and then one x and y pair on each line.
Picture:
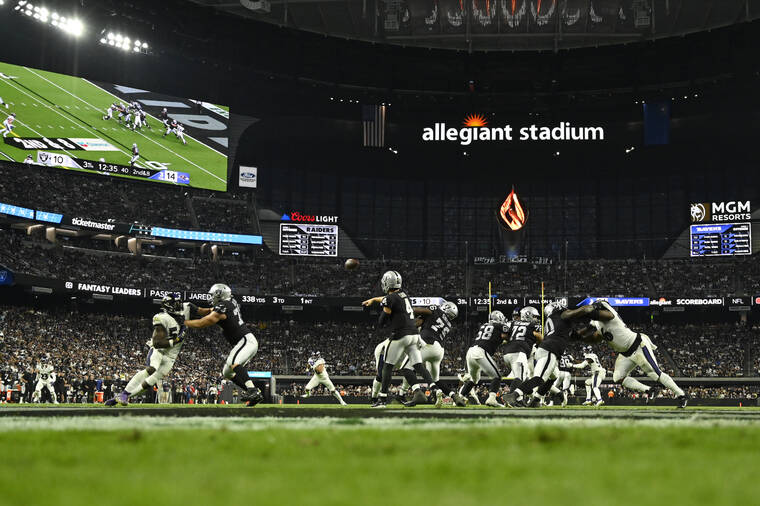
x,y
391,280
558,305
450,310
496,317
220,292
529,314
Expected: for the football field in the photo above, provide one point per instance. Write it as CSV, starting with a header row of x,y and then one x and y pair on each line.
x,y
58,110
199,455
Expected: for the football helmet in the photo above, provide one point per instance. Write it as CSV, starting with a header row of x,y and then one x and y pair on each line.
x,y
219,292
171,303
391,280
529,314
496,317
450,310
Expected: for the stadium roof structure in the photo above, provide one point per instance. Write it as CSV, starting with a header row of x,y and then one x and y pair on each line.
x,y
496,25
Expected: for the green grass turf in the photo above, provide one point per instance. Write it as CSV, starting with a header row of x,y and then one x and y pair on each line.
x,y
355,462
55,105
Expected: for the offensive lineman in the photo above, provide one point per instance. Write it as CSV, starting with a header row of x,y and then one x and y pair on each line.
x,y
226,313
435,324
634,349
557,333
320,377
598,373
45,379
165,345
523,334
8,124
480,360
404,340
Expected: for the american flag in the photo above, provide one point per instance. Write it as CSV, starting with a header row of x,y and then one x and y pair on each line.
x,y
373,125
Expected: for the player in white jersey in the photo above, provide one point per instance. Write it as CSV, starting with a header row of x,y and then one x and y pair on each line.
x,y
179,131
138,121
634,349
319,367
598,373
109,112
8,124
165,345
45,379
3,103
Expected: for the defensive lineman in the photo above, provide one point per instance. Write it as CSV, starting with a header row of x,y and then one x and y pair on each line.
x,y
480,360
598,373
165,345
45,379
404,340
226,313
634,349
319,367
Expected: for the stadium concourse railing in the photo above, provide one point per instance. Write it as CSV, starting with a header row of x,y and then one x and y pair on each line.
x,y
450,382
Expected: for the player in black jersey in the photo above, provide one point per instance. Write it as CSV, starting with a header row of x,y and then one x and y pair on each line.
x,y
435,324
557,333
398,314
480,360
226,313
522,334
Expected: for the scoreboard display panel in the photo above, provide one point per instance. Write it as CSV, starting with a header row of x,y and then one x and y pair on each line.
x,y
297,239
721,239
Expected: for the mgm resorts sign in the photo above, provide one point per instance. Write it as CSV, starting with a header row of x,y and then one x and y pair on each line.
x,y
705,212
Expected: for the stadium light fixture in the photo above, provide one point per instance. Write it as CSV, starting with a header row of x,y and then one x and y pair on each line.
x,y
71,26
123,42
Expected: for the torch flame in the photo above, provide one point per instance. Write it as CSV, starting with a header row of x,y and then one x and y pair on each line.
x,y
511,212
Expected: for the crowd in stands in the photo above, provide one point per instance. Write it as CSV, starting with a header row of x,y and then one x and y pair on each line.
x,y
89,347
260,272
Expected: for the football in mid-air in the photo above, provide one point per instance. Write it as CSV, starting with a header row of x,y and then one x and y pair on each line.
x,y
352,264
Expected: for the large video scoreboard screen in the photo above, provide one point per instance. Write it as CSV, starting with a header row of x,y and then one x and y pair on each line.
x,y
298,239
101,128
725,239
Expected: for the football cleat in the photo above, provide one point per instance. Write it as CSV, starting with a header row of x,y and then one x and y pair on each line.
x,y
588,402
123,398
110,402
493,403
438,398
459,400
252,397
598,403
683,401
419,397
380,403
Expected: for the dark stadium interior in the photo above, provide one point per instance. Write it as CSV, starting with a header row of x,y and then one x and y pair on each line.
x,y
605,218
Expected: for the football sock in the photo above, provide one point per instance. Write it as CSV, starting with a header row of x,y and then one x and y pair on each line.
x,y
527,387
423,373
545,387
409,378
135,384
588,392
375,388
634,384
241,379
336,394
598,394
514,384
495,386
387,375
466,388
668,383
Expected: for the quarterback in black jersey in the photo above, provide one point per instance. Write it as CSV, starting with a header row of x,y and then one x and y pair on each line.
x,y
480,360
404,340
557,333
522,335
226,313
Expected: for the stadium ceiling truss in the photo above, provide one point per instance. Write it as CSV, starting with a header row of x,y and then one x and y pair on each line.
x,y
493,25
